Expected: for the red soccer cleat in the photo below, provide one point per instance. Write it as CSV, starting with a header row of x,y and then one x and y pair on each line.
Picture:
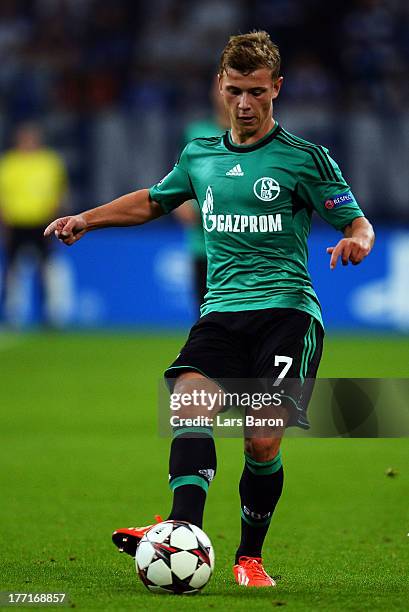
x,y
127,540
250,572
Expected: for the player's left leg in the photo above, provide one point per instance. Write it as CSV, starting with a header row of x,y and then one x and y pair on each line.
x,y
260,489
296,338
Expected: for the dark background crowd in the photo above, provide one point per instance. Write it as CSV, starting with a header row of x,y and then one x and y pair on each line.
x,y
108,78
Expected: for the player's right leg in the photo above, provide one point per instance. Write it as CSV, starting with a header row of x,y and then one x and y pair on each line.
x,y
211,352
192,463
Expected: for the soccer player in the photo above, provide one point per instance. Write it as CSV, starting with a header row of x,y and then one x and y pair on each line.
x,y
258,186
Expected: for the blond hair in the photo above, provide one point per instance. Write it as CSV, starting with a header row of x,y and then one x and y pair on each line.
x,y
248,52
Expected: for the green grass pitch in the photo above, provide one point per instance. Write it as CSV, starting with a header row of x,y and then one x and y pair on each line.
x,y
80,456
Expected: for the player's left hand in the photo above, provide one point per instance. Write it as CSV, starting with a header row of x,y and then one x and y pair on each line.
x,y
352,250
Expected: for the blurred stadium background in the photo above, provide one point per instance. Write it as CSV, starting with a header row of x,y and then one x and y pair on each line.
x,y
114,84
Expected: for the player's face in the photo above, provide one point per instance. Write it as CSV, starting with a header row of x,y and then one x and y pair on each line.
x,y
249,100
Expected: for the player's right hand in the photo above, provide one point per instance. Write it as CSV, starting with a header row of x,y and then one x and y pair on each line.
x,y
67,230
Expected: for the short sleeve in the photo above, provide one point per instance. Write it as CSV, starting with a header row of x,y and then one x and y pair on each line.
x,y
323,187
175,188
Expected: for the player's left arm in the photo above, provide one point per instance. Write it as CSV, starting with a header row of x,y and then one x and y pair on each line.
x,y
357,243
323,187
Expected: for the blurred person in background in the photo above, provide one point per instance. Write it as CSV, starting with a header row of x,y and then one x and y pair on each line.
x,y
33,186
189,213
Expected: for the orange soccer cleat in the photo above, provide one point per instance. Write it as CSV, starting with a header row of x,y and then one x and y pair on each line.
x,y
127,540
250,572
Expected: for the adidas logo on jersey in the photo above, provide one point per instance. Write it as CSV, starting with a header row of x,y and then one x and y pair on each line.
x,y
236,171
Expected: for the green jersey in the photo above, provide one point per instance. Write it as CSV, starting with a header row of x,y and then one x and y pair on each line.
x,y
256,204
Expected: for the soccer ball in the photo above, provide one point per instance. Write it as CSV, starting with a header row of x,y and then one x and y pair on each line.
x,y
175,557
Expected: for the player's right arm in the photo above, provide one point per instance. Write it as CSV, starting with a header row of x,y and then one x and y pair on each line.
x,y
133,208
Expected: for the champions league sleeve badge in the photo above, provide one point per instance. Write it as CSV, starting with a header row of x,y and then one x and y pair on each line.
x,y
340,199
